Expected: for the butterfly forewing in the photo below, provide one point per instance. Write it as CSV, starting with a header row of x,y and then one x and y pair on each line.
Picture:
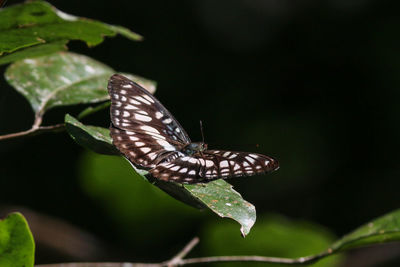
x,y
143,129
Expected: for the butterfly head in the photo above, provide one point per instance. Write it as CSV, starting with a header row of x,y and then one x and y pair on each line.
x,y
193,148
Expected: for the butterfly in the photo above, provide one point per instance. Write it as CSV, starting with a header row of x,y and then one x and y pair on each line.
x,y
147,134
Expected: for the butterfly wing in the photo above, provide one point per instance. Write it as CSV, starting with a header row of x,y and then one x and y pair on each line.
x,y
142,128
214,164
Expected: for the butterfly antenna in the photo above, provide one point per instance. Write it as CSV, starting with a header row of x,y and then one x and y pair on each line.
x,y
201,130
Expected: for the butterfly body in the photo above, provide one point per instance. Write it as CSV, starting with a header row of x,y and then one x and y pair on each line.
x,y
147,134
193,149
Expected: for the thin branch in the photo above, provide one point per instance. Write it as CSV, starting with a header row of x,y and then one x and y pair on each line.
x,y
179,261
91,110
101,264
288,261
34,130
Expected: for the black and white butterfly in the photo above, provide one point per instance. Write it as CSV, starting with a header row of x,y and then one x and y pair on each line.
x,y
147,134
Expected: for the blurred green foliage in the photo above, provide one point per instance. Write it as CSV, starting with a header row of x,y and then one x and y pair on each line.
x,y
273,236
138,209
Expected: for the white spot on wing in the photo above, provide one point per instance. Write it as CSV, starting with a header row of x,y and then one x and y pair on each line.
x,y
145,149
129,106
175,168
141,99
122,92
134,102
202,162
250,159
226,154
152,155
148,98
139,144
209,163
166,145
133,138
142,112
126,114
224,164
167,121
192,160
142,118
184,170
192,172
127,86
149,129
159,115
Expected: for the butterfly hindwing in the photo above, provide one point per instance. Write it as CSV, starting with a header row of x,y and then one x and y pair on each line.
x,y
214,164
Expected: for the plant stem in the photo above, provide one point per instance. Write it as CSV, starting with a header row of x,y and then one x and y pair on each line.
x,y
36,129
179,261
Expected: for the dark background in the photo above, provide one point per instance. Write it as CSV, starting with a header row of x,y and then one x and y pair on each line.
x,y
315,84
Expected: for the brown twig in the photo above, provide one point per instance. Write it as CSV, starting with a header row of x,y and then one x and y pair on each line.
x,y
34,130
179,261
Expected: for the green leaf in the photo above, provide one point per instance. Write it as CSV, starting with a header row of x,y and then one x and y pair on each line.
x,y
218,195
59,79
34,51
37,23
17,247
94,138
381,230
62,78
